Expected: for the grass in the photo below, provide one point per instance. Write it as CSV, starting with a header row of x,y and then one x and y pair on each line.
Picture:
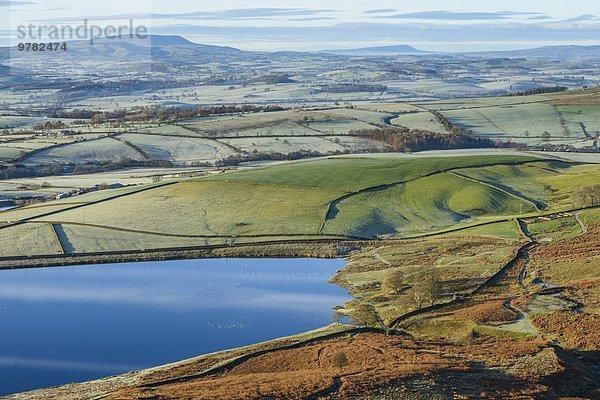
x,y
284,128
504,229
521,180
84,239
29,240
519,122
169,130
285,145
550,183
572,258
589,115
31,211
499,333
179,149
95,151
339,127
563,185
428,204
421,120
355,173
461,264
8,153
453,330
555,230
367,116
206,207
479,102
293,199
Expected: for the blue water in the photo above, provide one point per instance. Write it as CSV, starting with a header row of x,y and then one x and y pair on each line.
x,y
60,325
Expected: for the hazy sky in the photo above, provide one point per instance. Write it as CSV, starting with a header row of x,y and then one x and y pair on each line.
x,y
311,25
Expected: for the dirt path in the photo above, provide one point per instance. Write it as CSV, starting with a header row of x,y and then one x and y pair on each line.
x,y
522,324
379,258
581,224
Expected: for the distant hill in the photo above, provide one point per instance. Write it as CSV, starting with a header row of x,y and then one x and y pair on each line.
x,y
173,47
560,52
548,52
165,41
377,51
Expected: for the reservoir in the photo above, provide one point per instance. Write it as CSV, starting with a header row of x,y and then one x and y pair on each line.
x,y
71,324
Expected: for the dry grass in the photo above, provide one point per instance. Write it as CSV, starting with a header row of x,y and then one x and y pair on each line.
x,y
569,260
575,330
374,361
486,312
586,97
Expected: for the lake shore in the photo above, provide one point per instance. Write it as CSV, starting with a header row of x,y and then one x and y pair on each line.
x,y
288,249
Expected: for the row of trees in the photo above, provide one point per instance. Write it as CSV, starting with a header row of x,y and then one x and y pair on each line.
x,y
401,139
15,171
49,125
450,127
162,114
539,90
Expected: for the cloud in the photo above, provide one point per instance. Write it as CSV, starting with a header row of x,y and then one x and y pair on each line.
x,y
540,18
583,18
381,11
312,19
246,13
458,16
15,3
240,14
409,32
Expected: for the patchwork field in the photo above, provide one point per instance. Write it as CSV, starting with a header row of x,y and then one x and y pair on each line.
x,y
370,197
179,149
96,151
567,119
419,120
459,254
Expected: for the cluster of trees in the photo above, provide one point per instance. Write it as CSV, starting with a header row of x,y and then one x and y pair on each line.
x,y
351,88
14,171
49,125
272,79
539,90
403,140
236,159
424,289
587,197
162,114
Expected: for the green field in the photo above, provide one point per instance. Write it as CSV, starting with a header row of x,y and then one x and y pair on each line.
x,y
555,230
419,120
355,173
378,196
423,205
205,207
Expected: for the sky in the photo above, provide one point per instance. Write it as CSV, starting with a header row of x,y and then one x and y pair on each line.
x,y
460,25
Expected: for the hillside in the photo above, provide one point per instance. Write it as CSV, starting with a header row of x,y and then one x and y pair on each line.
x,y
504,302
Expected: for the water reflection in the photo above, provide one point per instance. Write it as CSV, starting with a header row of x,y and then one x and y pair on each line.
x,y
67,324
